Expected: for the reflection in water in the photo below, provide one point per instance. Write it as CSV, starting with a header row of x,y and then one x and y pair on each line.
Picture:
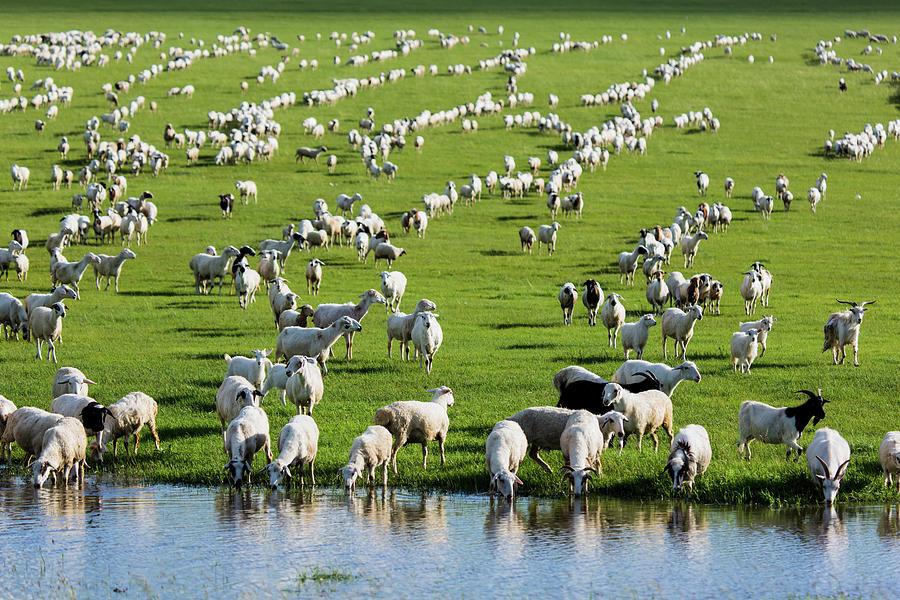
x,y
95,539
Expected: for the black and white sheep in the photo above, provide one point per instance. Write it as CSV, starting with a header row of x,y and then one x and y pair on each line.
x,y
769,425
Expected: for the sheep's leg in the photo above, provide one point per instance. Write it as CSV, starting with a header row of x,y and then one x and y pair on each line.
x,y
154,433
390,342
312,471
37,342
441,444
52,350
665,356
137,440
855,359
349,338
640,437
425,455
655,441
384,471
397,444
533,453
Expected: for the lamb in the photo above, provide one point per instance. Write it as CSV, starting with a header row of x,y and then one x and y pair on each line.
x,y
234,394
388,252
62,447
126,418
111,267
827,458
283,247
763,327
689,245
568,295
527,237
58,294
504,451
313,341
208,268
370,450
547,235
427,337
298,444
281,298
87,410
679,325
252,369
247,190
581,443
843,328
393,286
657,292
72,272
592,298
613,317
628,264
769,425
634,335
743,349
304,383
45,324
400,326
246,282
669,377
326,314
689,457
645,411
26,427
246,435
889,455
414,422
294,318
13,317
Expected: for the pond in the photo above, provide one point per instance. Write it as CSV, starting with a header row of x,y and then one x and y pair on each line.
x,y
113,540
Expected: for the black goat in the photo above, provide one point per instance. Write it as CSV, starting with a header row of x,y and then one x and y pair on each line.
x,y
588,395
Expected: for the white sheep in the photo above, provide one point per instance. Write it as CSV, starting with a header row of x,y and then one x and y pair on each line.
x,y
400,326
763,327
361,243
370,450
393,286
744,348
504,451
427,337
702,182
63,447
71,272
111,267
58,294
689,456
208,268
668,376
326,314
581,443
543,426
547,235
304,386
233,394
414,422
253,369
246,435
822,184
281,298
628,264
645,411
313,341
814,196
729,186
314,276
843,328
20,176
246,283
612,424
26,427
553,203
298,444
568,296
295,318
126,418
679,325
283,247
69,380
751,291
13,316
770,425
45,324
388,252
689,246
766,280
827,458
635,335
7,407
889,455
657,292
612,315
527,237
247,190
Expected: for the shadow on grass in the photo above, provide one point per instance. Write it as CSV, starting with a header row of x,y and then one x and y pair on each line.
x,y
44,212
534,346
503,326
499,253
180,219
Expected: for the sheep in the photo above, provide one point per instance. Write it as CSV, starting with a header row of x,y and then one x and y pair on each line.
x,y
234,393
689,246
645,412
764,205
769,425
702,182
634,335
60,292
13,317
7,254
527,237
208,268
543,426
553,203
20,236
87,410
751,290
20,176
842,329
45,324
669,377
400,325
253,369
581,443
26,427
62,447
72,272
547,235
729,186
592,298
414,422
786,199
814,196
298,444
126,418
226,203
765,280
679,325
388,252
247,190
283,247
568,295
313,341
275,379
628,264
294,318
370,450
111,267
7,407
304,152
326,314
689,457
822,185
763,327
427,337
345,202
505,449
268,267
393,286
743,349
657,292
281,298
573,204
827,458
889,455
361,243
613,317
245,436
304,387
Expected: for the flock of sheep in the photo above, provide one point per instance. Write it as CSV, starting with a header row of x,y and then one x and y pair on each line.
x,y
591,413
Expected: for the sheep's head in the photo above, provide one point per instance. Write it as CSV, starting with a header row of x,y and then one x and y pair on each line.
x,y
296,364
42,470
350,473
277,473
689,370
59,308
831,485
235,471
505,482
611,393
442,394
682,466
817,403
648,321
578,478
231,251
260,356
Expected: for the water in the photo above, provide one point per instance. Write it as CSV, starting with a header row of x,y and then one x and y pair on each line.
x,y
118,541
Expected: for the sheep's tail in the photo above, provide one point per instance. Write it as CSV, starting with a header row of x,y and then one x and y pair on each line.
x,y
227,358
383,418
830,335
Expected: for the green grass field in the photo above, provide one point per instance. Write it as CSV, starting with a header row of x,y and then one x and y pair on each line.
x,y
503,330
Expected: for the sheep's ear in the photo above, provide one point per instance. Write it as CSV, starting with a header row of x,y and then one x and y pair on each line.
x,y
842,470
287,472
519,481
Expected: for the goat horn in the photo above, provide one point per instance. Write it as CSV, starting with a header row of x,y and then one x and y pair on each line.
x,y
824,466
846,302
867,302
807,392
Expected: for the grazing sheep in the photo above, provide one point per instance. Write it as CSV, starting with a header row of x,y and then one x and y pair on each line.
x,y
414,422
527,237
26,427
843,328
314,276
125,418
370,450
679,325
276,379
208,268
313,341
400,326
769,425
827,458
393,286
304,152
581,443
628,264
743,349
246,435
45,324
504,451
326,314
388,252
547,235
689,457
592,298
234,393
304,387
645,411
294,318
763,327
889,455
568,295
62,447
13,317
252,369
689,246
298,444
613,317
634,335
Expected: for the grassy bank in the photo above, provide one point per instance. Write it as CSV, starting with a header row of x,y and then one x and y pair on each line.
x,y
504,337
